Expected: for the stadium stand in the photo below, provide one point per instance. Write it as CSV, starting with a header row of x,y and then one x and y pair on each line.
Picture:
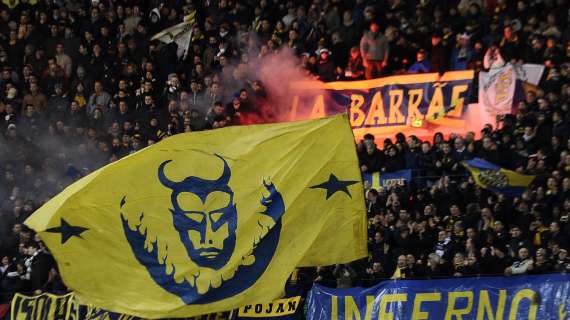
x,y
82,85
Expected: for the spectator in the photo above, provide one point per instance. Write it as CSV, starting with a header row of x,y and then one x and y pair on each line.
x,y
403,271
439,55
58,103
63,60
373,202
426,160
517,241
349,30
355,66
461,266
522,265
393,160
35,98
494,260
217,117
510,44
375,274
443,246
54,284
100,98
462,54
345,275
541,264
38,265
371,159
422,65
562,262
435,267
325,66
325,276
375,51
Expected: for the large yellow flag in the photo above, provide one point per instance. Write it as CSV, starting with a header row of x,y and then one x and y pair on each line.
x,y
209,221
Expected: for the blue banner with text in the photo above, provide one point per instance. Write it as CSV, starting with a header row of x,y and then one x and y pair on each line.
x,y
523,297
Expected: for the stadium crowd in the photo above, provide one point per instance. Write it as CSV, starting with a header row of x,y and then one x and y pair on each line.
x,y
82,85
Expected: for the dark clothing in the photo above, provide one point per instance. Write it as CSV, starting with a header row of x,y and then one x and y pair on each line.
x,y
541,268
41,264
493,265
340,52
374,207
394,163
561,129
439,58
373,162
57,106
326,70
489,155
437,272
516,243
350,34
426,163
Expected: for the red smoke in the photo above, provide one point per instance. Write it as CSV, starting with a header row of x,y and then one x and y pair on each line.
x,y
276,71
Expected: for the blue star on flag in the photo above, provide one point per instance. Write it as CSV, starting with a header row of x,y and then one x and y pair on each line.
x,y
67,231
334,185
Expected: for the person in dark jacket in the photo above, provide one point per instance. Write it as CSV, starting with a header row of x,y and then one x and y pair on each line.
x,y
325,66
349,30
510,44
439,54
373,204
371,158
489,151
494,260
560,126
436,267
54,284
355,67
394,161
375,274
426,161
39,265
517,241
58,103
445,161
541,263
461,266
561,261
217,117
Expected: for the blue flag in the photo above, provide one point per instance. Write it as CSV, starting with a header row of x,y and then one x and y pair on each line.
x,y
496,179
525,297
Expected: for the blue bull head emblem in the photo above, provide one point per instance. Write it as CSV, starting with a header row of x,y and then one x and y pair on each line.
x,y
205,217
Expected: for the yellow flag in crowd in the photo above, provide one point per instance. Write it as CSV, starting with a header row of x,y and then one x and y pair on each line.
x,y
209,221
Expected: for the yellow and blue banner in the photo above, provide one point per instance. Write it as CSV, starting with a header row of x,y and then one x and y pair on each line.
x,y
418,104
400,178
492,177
66,307
280,309
209,221
44,306
513,298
